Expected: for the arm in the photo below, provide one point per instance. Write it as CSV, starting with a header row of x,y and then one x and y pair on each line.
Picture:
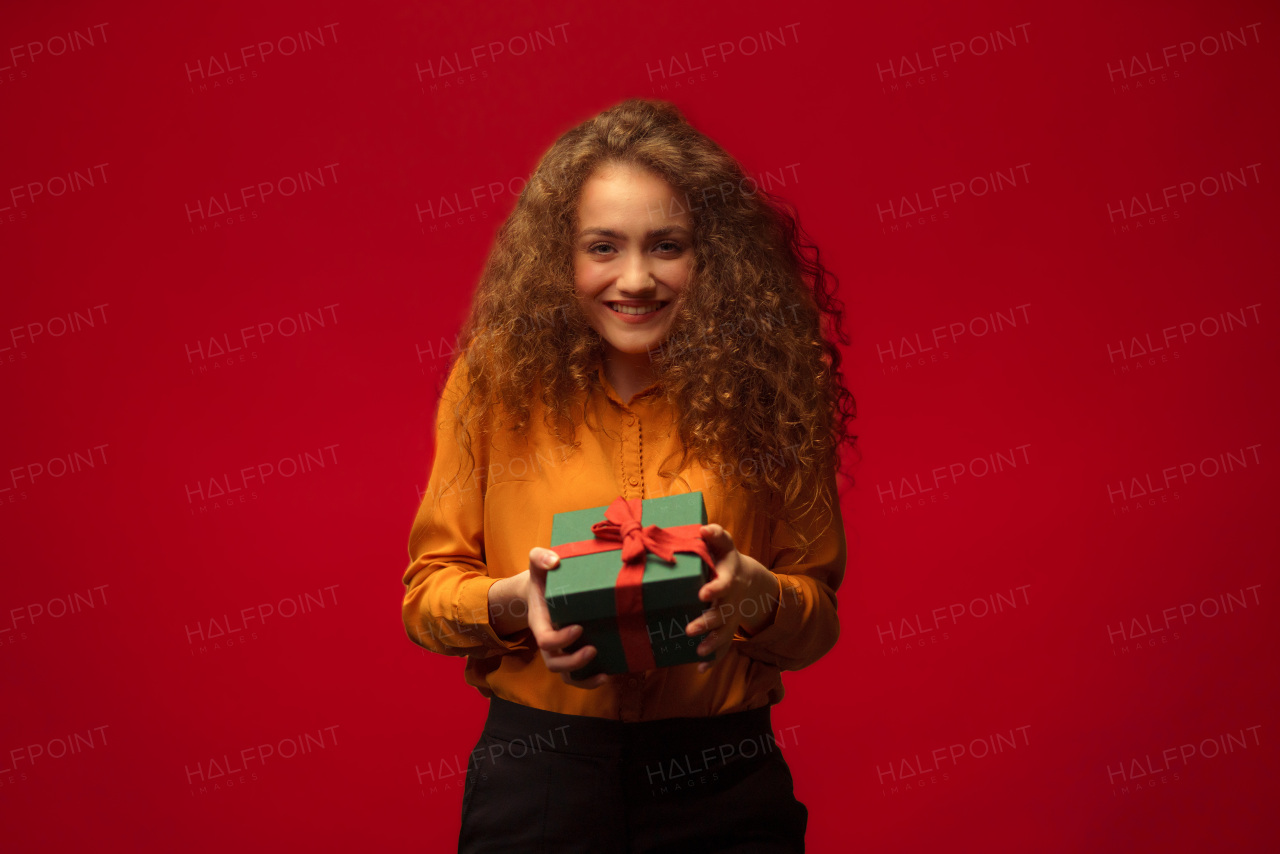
x,y
804,624
446,606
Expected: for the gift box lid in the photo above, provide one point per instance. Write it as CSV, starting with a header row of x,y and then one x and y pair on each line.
x,y
582,588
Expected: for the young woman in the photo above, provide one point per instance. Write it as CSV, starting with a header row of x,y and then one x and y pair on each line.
x,y
648,323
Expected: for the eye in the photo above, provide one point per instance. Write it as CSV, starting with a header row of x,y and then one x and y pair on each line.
x,y
675,247
591,250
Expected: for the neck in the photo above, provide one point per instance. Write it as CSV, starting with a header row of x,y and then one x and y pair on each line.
x,y
628,373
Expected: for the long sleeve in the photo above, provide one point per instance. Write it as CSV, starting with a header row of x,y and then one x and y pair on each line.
x,y
806,624
477,525
446,600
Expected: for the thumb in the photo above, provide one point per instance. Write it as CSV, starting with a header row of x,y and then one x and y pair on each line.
x,y
544,558
717,537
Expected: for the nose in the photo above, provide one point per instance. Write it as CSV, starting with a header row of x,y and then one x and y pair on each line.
x,y
636,279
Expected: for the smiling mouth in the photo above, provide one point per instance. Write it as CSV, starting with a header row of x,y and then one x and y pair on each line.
x,y
645,308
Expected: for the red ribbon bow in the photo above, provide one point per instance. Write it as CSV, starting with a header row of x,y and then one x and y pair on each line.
x,y
621,529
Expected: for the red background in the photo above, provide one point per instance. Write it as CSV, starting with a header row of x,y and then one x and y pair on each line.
x,y
1065,533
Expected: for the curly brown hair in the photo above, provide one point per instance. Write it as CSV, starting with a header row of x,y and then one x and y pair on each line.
x,y
776,394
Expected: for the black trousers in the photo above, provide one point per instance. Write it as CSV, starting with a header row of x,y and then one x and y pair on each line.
x,y
541,781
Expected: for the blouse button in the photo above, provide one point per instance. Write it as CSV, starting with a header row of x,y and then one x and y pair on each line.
x,y
633,480
631,419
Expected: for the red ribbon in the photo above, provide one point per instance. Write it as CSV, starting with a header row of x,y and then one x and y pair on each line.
x,y
621,529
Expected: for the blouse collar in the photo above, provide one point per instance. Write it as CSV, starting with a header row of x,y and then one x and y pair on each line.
x,y
615,397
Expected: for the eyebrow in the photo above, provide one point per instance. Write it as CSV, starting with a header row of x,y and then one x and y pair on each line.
x,y
653,232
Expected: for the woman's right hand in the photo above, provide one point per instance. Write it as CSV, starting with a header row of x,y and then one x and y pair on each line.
x,y
551,642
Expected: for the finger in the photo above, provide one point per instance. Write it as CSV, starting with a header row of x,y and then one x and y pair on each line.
x,y
715,586
717,647
573,661
540,558
712,618
717,537
553,640
537,614
539,620
713,641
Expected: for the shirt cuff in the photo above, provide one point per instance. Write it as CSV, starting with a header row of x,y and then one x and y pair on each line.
x,y
786,620
743,634
472,614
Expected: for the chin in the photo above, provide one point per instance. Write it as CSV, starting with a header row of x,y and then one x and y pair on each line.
x,y
634,349
637,344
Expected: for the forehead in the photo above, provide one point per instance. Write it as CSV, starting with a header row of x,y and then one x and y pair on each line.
x,y
617,192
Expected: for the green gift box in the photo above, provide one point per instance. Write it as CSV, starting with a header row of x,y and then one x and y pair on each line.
x,y
614,581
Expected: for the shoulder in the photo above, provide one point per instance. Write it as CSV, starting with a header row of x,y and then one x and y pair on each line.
x,y
454,408
458,380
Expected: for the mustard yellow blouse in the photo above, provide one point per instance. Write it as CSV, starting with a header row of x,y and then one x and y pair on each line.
x,y
482,526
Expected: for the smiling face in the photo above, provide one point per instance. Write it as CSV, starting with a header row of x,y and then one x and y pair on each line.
x,y
631,258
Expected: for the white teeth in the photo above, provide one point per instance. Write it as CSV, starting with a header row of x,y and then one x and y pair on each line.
x,y
634,309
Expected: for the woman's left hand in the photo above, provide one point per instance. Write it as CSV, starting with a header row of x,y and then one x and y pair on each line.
x,y
738,578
